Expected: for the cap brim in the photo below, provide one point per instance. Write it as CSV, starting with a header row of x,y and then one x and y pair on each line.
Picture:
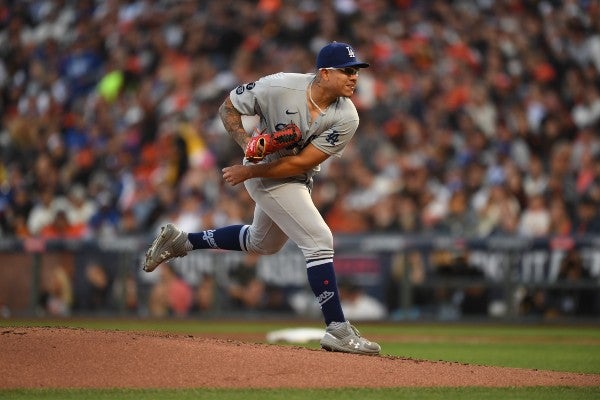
x,y
353,64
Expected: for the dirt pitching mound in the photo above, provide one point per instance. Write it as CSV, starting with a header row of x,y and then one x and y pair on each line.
x,y
81,358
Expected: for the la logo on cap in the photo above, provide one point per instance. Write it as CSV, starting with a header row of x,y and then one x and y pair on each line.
x,y
338,55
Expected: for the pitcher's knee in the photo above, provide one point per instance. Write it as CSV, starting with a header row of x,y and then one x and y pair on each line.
x,y
320,247
317,253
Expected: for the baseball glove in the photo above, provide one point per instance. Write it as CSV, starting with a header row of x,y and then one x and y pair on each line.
x,y
266,143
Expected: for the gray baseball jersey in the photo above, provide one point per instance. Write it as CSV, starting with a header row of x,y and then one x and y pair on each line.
x,y
284,208
281,98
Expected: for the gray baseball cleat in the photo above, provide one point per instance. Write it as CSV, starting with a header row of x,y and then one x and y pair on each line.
x,y
343,337
170,243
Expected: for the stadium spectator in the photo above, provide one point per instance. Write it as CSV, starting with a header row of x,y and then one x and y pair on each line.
x,y
500,204
587,217
79,207
43,212
561,223
171,295
97,284
535,219
358,304
534,303
205,293
62,228
572,301
461,220
244,287
105,222
16,210
57,292
535,180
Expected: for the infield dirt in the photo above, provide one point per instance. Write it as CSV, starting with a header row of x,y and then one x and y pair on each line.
x,y
80,358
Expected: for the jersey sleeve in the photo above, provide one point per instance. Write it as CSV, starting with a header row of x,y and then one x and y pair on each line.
x,y
247,98
243,98
333,140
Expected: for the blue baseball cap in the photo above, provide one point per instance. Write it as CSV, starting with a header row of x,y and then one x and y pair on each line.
x,y
338,55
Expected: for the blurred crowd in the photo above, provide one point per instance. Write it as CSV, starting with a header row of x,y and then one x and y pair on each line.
x,y
478,117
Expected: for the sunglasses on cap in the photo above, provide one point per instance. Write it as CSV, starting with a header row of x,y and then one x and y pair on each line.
x,y
347,70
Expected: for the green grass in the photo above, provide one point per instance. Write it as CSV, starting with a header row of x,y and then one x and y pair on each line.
x,y
474,393
548,347
546,356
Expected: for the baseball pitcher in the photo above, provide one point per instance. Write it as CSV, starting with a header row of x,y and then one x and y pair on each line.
x,y
304,119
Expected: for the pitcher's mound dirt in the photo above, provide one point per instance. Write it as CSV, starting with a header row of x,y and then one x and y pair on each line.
x,y
80,358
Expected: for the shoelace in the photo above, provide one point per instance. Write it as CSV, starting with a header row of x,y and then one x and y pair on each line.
x,y
356,332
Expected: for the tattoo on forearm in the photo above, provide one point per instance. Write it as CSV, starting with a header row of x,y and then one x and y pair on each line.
x,y
232,120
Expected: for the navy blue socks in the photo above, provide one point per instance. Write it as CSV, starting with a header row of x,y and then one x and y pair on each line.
x,y
321,275
323,284
228,238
